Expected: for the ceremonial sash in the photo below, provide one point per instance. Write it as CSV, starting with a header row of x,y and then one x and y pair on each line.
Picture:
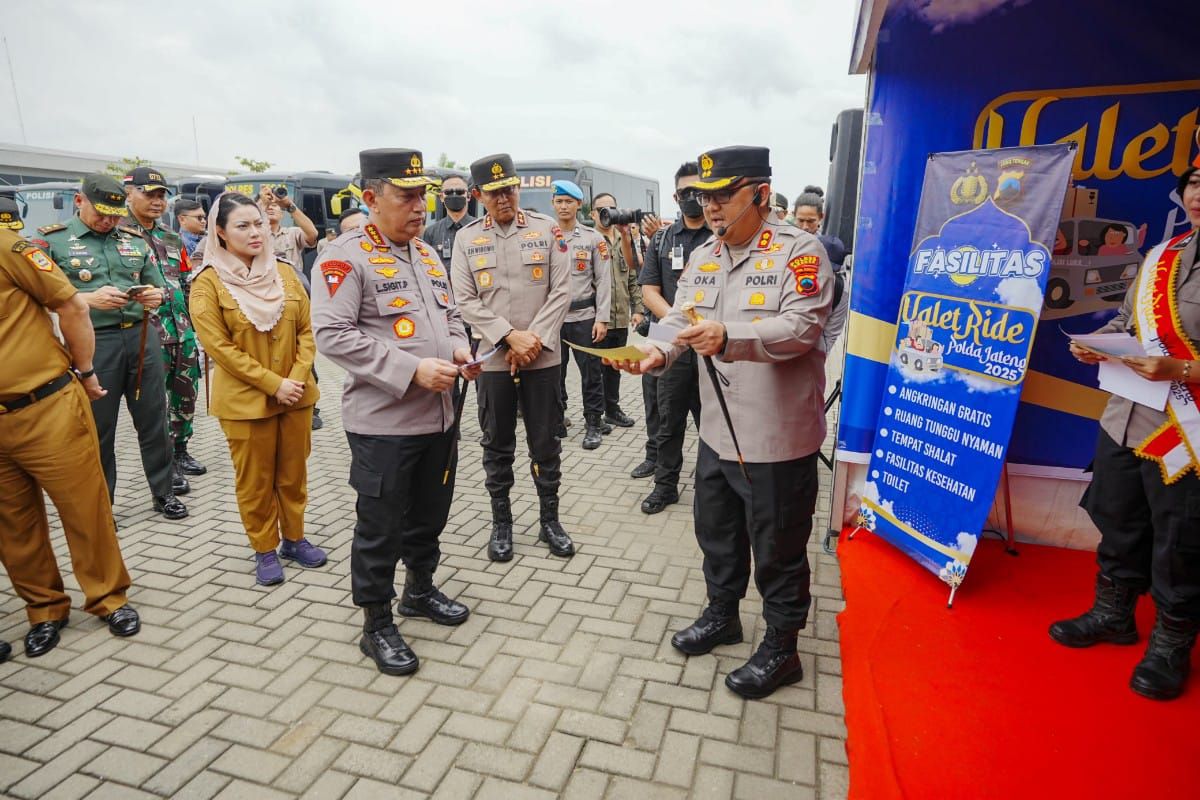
x,y
1175,444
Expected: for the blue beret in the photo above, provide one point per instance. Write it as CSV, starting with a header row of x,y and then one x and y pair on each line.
x,y
568,188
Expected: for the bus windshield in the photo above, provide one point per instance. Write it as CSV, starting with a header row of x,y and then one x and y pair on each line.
x,y
40,207
535,188
252,188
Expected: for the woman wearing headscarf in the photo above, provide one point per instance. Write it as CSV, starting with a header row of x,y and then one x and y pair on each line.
x,y
1145,491
251,314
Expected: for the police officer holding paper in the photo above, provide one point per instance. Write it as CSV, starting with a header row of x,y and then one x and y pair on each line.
x,y
510,273
762,291
382,309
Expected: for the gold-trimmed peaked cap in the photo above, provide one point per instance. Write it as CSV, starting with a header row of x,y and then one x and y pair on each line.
x,y
401,166
494,172
105,193
148,179
727,165
10,214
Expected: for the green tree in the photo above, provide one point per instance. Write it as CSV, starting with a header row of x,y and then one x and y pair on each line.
x,y
123,167
445,163
254,166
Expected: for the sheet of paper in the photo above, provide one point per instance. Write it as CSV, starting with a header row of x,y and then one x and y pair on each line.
x,y
1109,344
479,359
1119,379
626,353
662,333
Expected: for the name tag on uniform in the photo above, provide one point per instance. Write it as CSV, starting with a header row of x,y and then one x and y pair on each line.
x,y
677,257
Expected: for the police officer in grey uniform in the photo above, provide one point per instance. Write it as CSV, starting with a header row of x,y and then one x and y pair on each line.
x,y
382,309
510,272
591,303
763,291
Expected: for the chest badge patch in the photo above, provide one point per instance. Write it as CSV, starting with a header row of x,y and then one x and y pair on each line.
x,y
85,274
387,272
480,240
398,302
434,272
382,259
581,266
536,256
711,266
538,273
404,328
699,296
334,273
804,268
481,261
485,279
764,264
367,246
758,299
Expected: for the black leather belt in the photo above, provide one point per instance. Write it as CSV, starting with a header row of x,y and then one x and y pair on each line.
x,y
40,393
121,326
587,302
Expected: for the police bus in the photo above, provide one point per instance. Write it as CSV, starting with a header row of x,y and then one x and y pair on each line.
x,y
630,191
43,204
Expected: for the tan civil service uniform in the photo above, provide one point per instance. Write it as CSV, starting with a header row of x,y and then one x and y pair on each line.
x,y
49,445
268,442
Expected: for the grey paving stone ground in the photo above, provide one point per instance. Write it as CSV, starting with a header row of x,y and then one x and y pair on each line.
x,y
562,682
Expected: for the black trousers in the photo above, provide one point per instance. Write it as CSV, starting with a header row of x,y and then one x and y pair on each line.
x,y
402,508
678,394
650,402
589,368
116,363
538,397
1149,531
612,377
771,520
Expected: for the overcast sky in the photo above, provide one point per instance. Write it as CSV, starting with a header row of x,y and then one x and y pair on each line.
x,y
306,84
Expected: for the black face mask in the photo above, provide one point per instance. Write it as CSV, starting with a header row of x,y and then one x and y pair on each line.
x,y
455,202
690,207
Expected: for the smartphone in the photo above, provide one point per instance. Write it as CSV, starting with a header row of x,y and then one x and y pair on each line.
x,y
134,291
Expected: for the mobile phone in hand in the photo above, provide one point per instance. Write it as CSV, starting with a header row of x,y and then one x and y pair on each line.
x,y
134,291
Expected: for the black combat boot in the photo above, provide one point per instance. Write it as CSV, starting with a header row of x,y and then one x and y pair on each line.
x,y
1163,671
500,545
382,642
187,464
775,663
592,435
551,530
179,481
719,624
422,598
1110,618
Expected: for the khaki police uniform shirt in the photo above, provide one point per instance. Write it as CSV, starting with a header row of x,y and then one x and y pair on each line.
x,y
289,246
90,260
773,296
30,353
251,364
513,280
379,308
626,291
590,278
1127,422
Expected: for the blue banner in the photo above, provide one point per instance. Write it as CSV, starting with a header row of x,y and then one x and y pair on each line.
x,y
1116,80
979,265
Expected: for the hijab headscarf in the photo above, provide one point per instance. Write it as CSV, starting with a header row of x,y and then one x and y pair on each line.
x,y
258,290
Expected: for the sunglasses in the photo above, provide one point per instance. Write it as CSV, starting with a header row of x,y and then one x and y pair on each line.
x,y
454,192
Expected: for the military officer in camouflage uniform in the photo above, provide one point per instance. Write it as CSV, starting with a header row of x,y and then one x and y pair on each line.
x,y
383,310
591,303
510,272
146,193
117,274
763,291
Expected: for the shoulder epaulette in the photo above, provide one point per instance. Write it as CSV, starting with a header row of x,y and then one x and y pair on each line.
x,y
287,261
54,228
126,227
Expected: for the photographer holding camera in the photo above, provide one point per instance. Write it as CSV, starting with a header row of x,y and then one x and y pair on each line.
x,y
670,397
614,224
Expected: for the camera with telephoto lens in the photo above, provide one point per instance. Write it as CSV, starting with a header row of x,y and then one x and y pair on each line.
x,y
279,191
621,216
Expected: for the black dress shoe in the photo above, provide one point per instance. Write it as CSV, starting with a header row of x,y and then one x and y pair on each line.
x,y
189,465
5,651
422,598
179,481
619,418
170,507
776,663
719,624
318,423
43,637
124,621
658,500
644,469
384,644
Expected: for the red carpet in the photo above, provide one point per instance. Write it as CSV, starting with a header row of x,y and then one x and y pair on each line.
x,y
978,702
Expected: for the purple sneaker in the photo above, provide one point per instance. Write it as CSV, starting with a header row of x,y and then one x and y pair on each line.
x,y
303,553
267,569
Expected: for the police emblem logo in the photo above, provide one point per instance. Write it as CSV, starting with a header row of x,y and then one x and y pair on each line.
x,y
382,260
758,299
699,296
710,266
404,328
484,279
536,256
334,273
387,272
497,170
706,165
398,302
367,246
581,266
764,264
805,269
38,259
538,273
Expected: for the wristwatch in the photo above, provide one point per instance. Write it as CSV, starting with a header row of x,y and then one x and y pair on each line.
x,y
83,376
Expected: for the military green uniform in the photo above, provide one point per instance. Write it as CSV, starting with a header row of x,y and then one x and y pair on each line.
x,y
181,359
121,259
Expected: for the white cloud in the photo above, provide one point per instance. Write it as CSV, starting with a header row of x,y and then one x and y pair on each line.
x,y
966,543
1021,293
